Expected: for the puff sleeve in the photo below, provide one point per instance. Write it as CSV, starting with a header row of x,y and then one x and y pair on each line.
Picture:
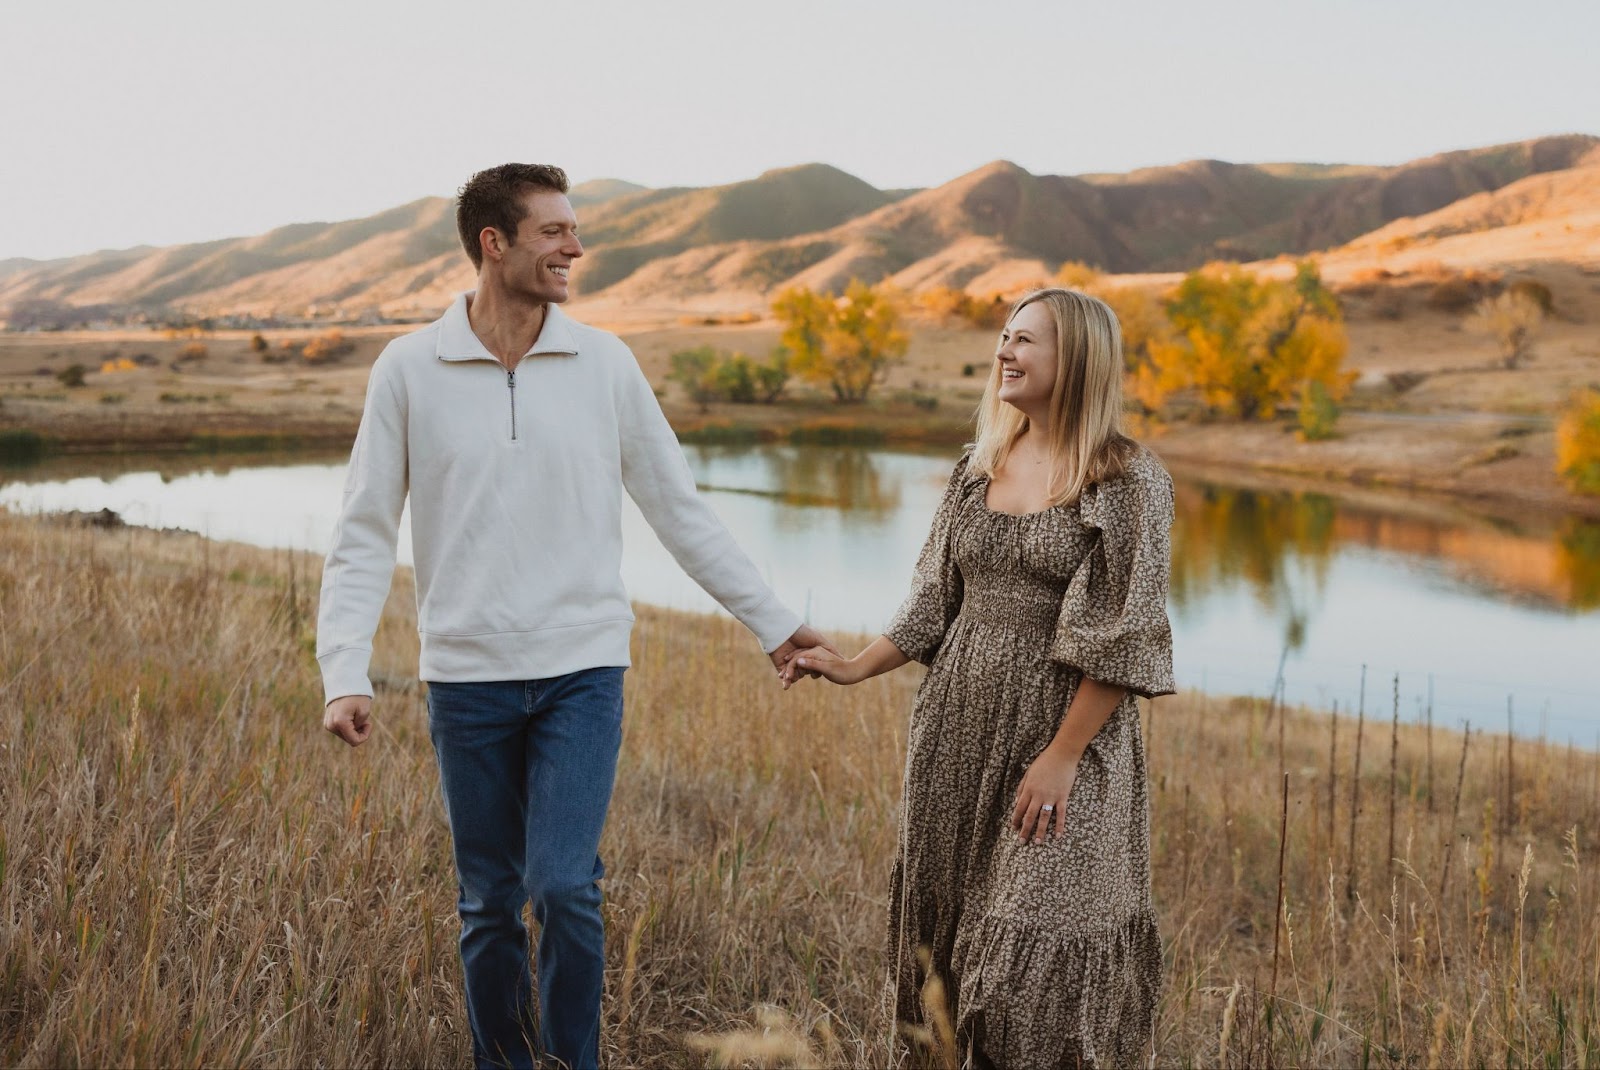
x,y
918,627
1113,625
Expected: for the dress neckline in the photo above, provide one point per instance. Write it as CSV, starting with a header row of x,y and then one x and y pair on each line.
x,y
983,498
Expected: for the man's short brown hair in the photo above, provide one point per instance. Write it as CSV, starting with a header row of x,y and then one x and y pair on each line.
x,y
493,198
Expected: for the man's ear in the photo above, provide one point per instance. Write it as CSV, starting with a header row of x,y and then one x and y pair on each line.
x,y
492,243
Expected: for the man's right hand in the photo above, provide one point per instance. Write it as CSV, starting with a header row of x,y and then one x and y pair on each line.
x,y
350,718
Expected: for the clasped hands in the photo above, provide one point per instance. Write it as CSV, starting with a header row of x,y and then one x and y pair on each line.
x,y
824,661
808,641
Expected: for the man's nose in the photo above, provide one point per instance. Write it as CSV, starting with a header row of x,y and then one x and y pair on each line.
x,y
575,248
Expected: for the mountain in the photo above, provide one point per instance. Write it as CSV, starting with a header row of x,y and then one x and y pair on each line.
x,y
15,264
1552,196
732,245
1000,227
600,190
274,268
1365,202
1553,216
630,231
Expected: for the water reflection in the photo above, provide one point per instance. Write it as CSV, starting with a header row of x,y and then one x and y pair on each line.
x,y
1280,544
1276,544
850,479
1578,555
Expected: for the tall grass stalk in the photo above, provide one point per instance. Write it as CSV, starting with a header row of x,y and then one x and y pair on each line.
x,y
1355,795
1394,763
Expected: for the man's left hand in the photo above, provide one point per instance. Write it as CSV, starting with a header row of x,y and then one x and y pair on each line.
x,y
804,639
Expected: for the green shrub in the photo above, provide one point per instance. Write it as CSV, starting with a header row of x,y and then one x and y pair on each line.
x,y
72,376
1318,412
695,371
734,379
708,375
772,375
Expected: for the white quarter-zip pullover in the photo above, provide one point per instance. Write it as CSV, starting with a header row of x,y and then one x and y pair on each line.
x,y
516,481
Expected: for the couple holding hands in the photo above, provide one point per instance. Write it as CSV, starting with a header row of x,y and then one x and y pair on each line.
x,y
1038,604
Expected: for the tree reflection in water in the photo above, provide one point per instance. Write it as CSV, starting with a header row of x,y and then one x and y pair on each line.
x,y
1281,544
847,479
1578,554
1278,544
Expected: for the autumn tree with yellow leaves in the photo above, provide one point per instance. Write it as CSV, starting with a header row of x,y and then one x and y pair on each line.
x,y
1246,345
1145,330
847,343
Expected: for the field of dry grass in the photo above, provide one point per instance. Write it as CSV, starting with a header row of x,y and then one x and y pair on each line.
x,y
193,873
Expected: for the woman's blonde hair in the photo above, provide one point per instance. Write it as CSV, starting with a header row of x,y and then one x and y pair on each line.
x,y
1086,440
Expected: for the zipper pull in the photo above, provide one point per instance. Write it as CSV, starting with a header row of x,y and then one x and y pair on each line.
x,y
511,387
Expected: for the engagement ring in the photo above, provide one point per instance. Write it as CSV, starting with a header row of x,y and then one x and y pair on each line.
x,y
1048,806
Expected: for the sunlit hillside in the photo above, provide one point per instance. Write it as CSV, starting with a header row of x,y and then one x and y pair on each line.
x,y
729,247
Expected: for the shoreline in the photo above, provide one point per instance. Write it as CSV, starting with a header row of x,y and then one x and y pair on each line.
x,y
1367,456
1306,692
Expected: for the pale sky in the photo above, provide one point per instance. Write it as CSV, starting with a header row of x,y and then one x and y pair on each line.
x,y
159,121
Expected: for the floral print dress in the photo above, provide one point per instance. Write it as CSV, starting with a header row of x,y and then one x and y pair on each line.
x,y
1049,952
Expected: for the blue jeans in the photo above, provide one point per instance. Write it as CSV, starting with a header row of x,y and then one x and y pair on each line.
x,y
527,768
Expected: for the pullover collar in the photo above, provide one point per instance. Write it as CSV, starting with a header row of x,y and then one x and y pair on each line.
x,y
458,342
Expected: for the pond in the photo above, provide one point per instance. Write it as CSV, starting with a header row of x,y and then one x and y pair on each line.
x,y
1480,618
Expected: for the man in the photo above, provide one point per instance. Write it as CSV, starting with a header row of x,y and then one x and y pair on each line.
x,y
515,430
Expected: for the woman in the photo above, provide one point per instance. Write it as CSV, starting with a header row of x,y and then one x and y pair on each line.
x,y
1039,605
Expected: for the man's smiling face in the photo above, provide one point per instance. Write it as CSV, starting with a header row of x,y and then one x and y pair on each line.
x,y
536,264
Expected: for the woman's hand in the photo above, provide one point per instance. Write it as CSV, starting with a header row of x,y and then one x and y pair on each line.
x,y
1043,793
820,661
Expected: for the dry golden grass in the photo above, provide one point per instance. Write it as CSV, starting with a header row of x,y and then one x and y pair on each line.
x,y
193,873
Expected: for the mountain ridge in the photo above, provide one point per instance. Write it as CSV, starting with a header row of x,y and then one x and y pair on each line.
x,y
816,225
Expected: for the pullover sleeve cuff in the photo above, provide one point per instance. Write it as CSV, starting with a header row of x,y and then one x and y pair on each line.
x,y
772,622
344,672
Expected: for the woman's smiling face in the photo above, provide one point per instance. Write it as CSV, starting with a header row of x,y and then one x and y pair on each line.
x,y
1028,360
